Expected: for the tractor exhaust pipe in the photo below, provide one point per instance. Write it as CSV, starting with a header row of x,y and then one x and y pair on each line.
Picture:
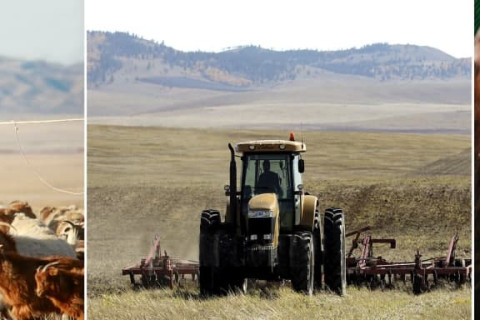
x,y
233,184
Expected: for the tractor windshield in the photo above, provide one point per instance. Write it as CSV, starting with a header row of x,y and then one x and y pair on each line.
x,y
267,173
270,173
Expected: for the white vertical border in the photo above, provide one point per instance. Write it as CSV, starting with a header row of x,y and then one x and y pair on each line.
x,y
85,176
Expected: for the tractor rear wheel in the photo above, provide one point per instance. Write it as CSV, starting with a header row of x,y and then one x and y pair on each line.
x,y
303,263
334,258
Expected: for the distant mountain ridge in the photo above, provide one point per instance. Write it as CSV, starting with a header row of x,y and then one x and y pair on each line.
x,y
118,56
38,87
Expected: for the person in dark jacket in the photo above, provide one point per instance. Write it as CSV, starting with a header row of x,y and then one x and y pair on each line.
x,y
269,181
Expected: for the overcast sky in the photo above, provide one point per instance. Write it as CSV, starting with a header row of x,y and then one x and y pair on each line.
x,y
214,25
51,30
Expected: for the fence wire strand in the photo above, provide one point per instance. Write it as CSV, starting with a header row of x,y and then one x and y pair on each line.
x,y
13,122
22,151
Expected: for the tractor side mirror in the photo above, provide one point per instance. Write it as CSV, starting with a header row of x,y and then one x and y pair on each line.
x,y
227,189
301,166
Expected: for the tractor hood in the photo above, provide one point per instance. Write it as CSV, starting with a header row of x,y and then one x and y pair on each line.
x,y
264,201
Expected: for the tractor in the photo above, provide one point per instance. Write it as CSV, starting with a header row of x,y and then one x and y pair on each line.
x,y
272,228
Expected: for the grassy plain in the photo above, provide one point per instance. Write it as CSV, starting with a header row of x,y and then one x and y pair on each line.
x,y
283,303
329,102
144,181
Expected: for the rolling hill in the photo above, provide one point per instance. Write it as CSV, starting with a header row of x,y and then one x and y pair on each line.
x,y
38,87
379,87
244,68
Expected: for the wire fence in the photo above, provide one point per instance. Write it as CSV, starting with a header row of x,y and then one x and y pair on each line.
x,y
15,124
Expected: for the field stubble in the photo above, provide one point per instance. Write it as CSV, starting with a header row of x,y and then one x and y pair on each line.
x,y
147,181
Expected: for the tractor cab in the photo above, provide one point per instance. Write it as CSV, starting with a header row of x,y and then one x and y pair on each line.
x,y
275,167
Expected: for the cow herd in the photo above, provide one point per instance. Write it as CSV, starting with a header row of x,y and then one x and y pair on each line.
x,y
41,262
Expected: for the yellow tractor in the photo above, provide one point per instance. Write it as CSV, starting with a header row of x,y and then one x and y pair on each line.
x,y
272,229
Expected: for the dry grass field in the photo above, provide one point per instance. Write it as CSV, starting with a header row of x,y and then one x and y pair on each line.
x,y
144,181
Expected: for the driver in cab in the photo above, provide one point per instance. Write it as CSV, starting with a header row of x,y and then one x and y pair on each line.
x,y
269,181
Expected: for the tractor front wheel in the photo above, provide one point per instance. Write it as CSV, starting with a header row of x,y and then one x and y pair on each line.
x,y
208,277
303,263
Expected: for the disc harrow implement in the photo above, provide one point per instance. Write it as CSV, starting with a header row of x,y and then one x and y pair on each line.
x,y
422,273
161,270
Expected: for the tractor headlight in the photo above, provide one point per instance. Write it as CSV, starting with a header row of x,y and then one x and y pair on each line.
x,y
260,213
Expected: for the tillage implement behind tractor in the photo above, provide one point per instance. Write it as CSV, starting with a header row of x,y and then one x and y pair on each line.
x,y
272,228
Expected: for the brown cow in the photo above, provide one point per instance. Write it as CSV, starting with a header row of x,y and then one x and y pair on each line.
x,y
64,288
18,285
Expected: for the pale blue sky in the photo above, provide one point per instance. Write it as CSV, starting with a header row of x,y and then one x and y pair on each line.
x,y
51,30
213,25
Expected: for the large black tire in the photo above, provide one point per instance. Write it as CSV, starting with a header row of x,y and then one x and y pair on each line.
x,y
209,220
234,282
221,281
208,279
334,245
318,250
205,280
303,263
